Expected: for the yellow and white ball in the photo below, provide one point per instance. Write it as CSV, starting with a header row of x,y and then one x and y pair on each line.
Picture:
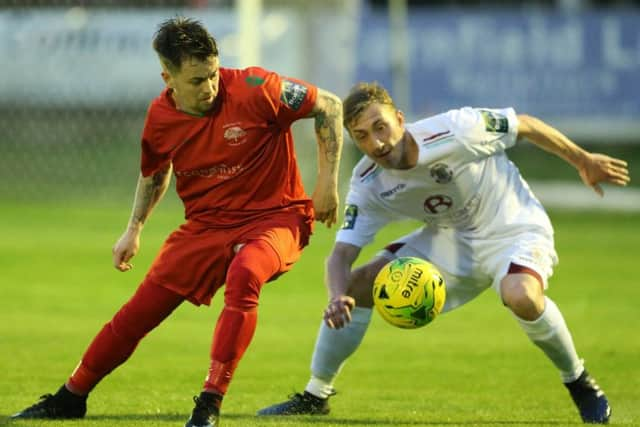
x,y
409,292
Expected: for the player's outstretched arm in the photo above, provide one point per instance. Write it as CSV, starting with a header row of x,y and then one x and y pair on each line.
x,y
594,168
328,126
338,312
149,192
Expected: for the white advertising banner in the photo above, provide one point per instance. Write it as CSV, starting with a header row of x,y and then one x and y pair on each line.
x,y
99,57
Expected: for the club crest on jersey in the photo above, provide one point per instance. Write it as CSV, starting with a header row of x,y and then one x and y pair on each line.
x,y
234,134
350,215
441,173
494,122
292,94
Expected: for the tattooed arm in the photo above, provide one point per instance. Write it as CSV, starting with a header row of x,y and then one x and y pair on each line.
x,y
328,126
148,193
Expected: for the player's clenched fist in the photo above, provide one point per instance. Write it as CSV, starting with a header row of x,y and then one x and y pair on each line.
x,y
125,248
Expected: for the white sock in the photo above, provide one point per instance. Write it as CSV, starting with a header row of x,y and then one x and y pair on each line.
x,y
550,333
333,347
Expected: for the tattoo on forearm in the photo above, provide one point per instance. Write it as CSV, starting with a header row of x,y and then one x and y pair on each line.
x,y
327,124
148,195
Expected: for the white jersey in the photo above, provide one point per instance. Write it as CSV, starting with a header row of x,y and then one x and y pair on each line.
x,y
463,180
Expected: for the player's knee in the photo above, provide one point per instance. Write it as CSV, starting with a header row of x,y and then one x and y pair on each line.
x,y
523,297
242,289
253,266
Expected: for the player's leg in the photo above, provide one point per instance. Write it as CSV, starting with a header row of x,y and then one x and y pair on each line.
x,y
265,251
113,345
522,291
334,346
252,266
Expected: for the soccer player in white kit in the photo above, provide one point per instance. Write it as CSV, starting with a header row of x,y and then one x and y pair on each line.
x,y
483,228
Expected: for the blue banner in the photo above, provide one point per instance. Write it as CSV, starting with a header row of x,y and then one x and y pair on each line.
x,y
544,63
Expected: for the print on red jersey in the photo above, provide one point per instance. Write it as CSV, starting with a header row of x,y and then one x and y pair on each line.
x,y
293,94
220,171
234,134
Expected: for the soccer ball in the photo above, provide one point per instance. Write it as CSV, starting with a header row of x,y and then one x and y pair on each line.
x,y
409,292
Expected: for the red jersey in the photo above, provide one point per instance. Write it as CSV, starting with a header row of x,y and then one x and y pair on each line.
x,y
237,162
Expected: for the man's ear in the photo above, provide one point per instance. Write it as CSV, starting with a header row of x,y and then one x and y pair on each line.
x,y
166,77
400,117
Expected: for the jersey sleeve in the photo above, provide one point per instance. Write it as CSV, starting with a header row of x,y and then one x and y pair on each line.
x,y
485,131
362,219
152,159
291,98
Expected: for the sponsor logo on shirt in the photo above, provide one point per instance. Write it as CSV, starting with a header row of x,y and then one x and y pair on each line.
x,y
494,122
441,173
220,171
234,134
441,211
437,204
350,215
393,191
292,94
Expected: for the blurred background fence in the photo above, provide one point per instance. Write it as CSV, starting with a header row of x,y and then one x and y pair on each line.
x,y
77,76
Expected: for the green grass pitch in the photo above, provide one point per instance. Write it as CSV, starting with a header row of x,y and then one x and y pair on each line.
x,y
471,367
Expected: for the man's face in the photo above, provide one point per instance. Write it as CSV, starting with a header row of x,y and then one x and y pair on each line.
x,y
195,85
378,132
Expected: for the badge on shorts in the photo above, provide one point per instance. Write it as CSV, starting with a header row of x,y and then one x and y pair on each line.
x,y
292,94
494,122
350,215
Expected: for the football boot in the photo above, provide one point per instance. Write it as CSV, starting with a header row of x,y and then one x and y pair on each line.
x,y
590,399
62,405
299,404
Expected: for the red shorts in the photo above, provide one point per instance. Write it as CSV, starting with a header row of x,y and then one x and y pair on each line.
x,y
194,259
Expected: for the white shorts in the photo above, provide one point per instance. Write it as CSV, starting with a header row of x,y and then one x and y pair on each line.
x,y
471,263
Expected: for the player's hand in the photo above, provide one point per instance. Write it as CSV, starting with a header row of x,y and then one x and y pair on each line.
x,y
338,313
126,248
325,202
598,168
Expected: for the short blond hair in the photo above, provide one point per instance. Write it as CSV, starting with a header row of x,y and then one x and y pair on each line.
x,y
360,97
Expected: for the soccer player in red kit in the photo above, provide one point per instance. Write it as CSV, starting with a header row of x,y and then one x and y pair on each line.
x,y
226,135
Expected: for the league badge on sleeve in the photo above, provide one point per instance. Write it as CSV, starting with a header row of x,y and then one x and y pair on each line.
x,y
350,215
292,94
494,122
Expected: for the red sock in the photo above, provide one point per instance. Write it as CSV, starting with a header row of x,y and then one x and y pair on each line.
x,y
232,336
117,340
256,263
